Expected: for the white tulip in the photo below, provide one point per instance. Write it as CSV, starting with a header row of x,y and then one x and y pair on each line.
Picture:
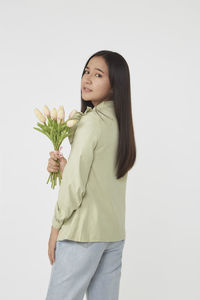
x,y
71,123
72,113
46,111
61,115
39,115
54,114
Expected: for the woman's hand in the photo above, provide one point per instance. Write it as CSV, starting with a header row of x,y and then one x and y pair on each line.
x,y
52,244
56,162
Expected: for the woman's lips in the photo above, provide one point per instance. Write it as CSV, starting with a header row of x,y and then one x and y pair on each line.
x,y
87,90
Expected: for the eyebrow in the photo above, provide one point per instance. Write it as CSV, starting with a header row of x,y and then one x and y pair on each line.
x,y
95,69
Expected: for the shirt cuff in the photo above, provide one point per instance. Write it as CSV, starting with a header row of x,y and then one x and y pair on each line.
x,y
56,224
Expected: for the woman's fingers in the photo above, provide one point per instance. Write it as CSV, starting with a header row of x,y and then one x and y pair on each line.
x,y
53,164
54,155
56,163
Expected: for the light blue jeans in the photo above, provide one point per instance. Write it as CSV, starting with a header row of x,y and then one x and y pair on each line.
x,y
93,268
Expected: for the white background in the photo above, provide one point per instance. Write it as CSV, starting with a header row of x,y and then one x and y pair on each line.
x,y
43,48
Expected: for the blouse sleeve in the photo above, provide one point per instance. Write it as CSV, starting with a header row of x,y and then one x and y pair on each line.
x,y
76,172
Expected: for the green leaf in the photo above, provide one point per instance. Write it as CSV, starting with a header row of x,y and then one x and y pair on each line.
x,y
40,130
49,120
41,125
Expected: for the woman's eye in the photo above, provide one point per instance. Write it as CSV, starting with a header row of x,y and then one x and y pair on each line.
x,y
96,73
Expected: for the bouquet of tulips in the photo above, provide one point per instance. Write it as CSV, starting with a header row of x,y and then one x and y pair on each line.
x,y
56,129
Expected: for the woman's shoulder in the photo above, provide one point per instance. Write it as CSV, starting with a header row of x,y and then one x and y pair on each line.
x,y
87,126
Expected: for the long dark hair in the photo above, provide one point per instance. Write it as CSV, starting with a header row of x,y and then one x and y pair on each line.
x,y
119,77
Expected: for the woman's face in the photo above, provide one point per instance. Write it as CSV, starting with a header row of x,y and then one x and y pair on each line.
x,y
96,79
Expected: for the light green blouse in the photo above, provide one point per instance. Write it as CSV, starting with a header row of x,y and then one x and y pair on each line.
x,y
91,200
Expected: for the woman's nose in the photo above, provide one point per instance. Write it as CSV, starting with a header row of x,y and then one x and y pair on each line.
x,y
88,80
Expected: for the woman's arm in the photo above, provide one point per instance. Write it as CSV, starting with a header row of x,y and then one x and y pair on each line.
x,y
76,172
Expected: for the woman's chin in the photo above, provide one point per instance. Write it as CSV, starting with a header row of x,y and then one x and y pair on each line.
x,y
86,97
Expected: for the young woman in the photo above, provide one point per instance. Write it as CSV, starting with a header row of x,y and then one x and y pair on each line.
x,y
88,227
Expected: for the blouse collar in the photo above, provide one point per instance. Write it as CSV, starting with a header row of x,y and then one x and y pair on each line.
x,y
101,105
105,103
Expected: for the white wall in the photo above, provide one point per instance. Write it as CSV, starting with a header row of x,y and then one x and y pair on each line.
x,y
44,46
